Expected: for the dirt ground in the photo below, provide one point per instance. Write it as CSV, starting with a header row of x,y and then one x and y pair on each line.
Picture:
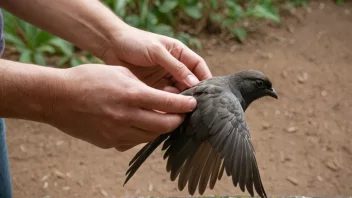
x,y
303,140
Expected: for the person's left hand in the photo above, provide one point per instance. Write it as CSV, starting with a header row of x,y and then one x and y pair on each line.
x,y
159,61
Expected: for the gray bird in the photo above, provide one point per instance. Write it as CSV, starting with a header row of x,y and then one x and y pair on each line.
x,y
214,137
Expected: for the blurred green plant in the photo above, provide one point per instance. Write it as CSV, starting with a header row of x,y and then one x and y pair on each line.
x,y
34,44
166,16
340,2
181,19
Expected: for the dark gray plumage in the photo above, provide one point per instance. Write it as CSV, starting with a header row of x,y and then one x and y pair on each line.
x,y
214,138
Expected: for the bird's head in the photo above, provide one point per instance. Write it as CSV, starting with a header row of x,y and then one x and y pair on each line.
x,y
253,85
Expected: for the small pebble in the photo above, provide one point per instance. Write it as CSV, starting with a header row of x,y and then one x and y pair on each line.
x,y
66,188
45,177
59,143
292,180
284,74
150,187
266,125
319,178
303,78
309,10
291,129
324,93
23,148
80,183
332,166
45,185
59,174
321,6
104,193
347,12
290,28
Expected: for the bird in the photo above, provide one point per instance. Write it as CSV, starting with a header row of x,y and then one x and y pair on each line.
x,y
214,138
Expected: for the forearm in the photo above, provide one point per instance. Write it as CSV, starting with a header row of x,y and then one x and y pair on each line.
x,y
27,91
87,23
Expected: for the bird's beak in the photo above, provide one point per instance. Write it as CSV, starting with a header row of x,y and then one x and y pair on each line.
x,y
272,93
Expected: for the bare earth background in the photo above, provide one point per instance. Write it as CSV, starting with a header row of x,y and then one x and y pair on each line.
x,y
303,140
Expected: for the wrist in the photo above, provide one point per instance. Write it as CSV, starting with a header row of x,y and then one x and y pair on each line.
x,y
28,91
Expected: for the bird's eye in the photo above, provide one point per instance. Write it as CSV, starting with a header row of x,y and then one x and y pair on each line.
x,y
259,83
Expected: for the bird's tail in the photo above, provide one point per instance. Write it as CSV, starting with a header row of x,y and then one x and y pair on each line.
x,y
143,154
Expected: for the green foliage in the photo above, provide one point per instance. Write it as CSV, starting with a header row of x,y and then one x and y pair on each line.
x,y
181,19
166,16
34,44
340,2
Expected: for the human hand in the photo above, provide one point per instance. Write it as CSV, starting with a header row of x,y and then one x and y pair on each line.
x,y
159,61
109,107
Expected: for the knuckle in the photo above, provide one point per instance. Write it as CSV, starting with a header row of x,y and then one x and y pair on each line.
x,y
180,67
133,94
178,44
156,47
169,102
119,115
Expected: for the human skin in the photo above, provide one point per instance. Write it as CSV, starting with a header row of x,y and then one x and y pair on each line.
x,y
108,106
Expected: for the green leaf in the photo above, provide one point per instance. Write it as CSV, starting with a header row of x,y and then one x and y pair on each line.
x,y
46,48
164,30
143,7
167,6
340,2
183,37
30,34
260,11
64,46
26,56
14,39
63,60
39,58
194,42
193,11
132,20
228,21
120,7
240,33
75,62
152,19
214,4
43,37
216,17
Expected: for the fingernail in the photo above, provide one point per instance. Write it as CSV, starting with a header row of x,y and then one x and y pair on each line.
x,y
192,104
192,80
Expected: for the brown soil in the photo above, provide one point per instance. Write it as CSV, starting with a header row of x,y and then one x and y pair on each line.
x,y
303,140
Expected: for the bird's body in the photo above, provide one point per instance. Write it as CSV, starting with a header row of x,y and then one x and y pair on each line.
x,y
214,138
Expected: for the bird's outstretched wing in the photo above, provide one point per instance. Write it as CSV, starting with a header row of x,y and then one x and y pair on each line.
x,y
213,138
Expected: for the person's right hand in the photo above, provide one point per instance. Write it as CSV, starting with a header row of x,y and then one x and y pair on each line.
x,y
109,107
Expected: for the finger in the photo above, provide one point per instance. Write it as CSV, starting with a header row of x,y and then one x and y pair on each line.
x,y
171,89
161,83
165,101
157,123
192,60
177,69
165,84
